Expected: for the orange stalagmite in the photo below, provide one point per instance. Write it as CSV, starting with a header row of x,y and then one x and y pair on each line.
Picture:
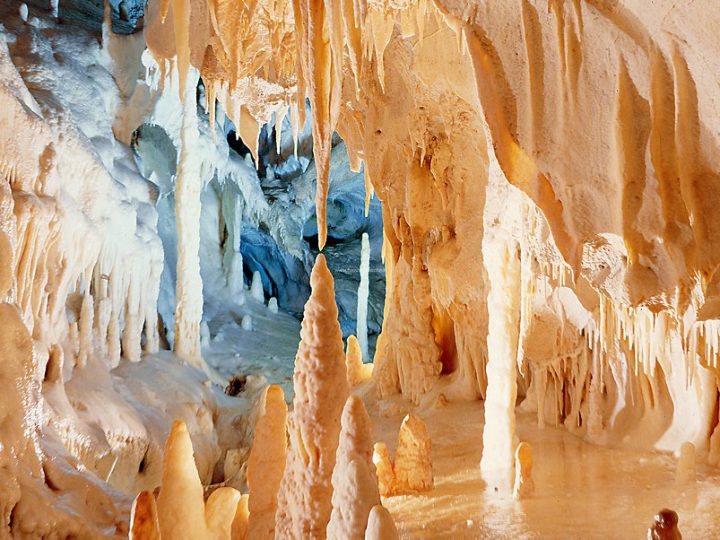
x,y
321,389
144,518
355,488
181,508
413,461
266,464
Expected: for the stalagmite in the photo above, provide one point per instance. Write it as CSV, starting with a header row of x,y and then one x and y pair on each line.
x,y
256,287
413,457
181,505
144,518
355,488
181,509
188,183
273,305
503,268
241,522
320,385
266,464
524,485
381,525
247,323
353,361
363,293
221,512
685,473
384,469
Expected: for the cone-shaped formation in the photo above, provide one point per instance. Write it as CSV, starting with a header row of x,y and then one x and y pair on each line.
x,y
181,506
353,361
384,469
355,489
241,521
220,511
321,389
144,518
686,464
380,525
524,485
413,462
181,509
266,464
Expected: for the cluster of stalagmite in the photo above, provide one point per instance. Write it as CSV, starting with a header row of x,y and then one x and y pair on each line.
x,y
625,241
321,389
319,481
181,510
412,470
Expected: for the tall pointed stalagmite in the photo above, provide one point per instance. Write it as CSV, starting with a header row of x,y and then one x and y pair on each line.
x,y
355,488
180,505
321,389
181,509
266,464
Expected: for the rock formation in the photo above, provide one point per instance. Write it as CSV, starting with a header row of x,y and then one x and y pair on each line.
x,y
524,485
353,361
383,469
413,457
355,487
181,507
266,464
321,389
144,523
380,525
548,173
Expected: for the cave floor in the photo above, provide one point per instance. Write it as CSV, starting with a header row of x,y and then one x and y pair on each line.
x,y
582,491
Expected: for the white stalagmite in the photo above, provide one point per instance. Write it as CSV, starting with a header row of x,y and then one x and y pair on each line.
x,y
381,525
321,389
273,305
188,184
413,460
383,469
353,361
503,268
355,488
524,485
256,288
686,464
363,294
266,464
